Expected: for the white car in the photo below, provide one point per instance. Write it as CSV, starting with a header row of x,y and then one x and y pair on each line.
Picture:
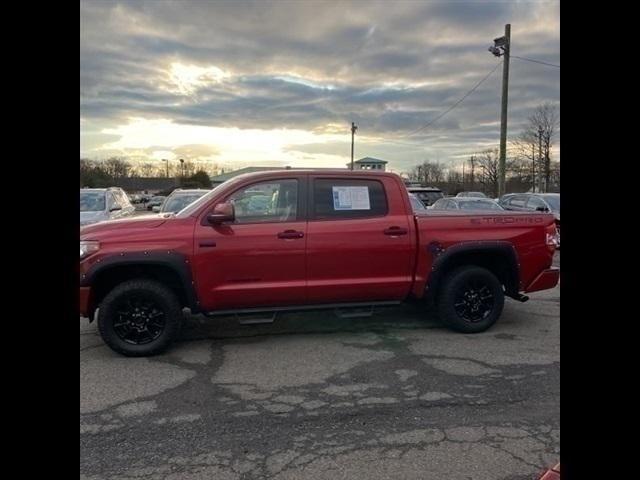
x,y
99,204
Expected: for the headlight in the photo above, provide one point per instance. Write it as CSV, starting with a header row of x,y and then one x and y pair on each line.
x,y
88,247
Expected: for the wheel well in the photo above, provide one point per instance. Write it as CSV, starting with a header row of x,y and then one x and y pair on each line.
x,y
496,261
107,279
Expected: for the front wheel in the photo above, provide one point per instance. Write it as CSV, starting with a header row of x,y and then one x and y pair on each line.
x,y
139,318
470,300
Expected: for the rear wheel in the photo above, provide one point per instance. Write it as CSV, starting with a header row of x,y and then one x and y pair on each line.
x,y
139,318
470,300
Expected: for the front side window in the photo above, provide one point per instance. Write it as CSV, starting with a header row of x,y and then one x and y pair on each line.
x,y
348,199
267,202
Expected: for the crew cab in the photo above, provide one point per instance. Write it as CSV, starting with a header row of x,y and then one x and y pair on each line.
x,y
306,239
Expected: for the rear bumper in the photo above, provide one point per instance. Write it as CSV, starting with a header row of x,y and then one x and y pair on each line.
x,y
546,280
85,301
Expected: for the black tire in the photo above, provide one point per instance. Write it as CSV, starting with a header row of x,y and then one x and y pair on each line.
x,y
470,299
139,318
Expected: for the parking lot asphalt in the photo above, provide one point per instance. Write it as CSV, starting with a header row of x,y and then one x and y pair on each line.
x,y
314,396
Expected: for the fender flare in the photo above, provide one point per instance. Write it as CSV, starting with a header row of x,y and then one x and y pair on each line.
x,y
444,257
176,262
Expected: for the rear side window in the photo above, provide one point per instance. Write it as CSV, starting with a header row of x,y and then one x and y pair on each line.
x,y
535,202
345,199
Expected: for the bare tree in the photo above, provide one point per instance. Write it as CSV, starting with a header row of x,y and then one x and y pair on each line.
x,y
116,167
487,161
540,134
428,173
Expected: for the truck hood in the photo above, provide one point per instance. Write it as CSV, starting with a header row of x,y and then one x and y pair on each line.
x,y
137,223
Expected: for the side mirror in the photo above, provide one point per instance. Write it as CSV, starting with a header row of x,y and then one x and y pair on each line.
x,y
156,209
115,208
222,212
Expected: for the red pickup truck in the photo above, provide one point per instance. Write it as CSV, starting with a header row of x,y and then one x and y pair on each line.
x,y
306,239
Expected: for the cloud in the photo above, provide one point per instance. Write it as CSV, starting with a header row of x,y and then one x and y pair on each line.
x,y
312,66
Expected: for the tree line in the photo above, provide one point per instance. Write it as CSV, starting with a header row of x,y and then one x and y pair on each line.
x,y
529,164
105,173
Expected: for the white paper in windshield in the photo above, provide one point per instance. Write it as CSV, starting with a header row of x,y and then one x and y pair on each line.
x,y
351,198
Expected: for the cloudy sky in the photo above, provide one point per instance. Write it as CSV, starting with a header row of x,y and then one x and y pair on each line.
x,y
244,83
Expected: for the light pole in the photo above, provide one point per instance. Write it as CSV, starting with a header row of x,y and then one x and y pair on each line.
x,y
165,160
540,151
502,47
182,167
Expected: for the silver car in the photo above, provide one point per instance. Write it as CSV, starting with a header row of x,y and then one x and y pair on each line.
x,y
99,204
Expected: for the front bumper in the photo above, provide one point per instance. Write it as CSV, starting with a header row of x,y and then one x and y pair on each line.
x,y
85,301
547,279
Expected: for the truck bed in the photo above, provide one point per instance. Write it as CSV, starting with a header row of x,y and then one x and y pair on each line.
x,y
439,231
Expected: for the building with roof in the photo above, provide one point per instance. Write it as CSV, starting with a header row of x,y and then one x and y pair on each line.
x,y
369,163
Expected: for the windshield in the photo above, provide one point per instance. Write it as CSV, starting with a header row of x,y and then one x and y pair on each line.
x,y
178,202
92,201
479,205
553,201
428,197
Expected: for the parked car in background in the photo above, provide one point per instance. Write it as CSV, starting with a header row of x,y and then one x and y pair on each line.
x,y
471,194
466,203
427,195
535,202
155,201
178,199
99,204
417,205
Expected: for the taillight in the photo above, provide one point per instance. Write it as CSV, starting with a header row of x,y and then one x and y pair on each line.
x,y
552,241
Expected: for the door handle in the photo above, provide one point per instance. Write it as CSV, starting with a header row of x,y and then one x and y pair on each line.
x,y
290,234
393,231
207,243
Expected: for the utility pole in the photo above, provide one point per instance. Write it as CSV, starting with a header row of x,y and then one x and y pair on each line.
x,y
473,161
547,166
353,132
502,47
540,150
463,175
533,165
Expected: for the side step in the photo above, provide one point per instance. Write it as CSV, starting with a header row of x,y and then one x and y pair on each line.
x,y
337,307
245,319
353,313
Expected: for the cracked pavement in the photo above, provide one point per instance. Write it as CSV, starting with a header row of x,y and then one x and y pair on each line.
x,y
318,397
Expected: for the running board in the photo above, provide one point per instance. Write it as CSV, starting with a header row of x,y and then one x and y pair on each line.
x,y
255,321
354,313
300,308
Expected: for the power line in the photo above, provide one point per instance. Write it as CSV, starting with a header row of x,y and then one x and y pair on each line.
x,y
455,104
535,61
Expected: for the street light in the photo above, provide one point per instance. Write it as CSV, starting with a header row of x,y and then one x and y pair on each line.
x,y
182,167
165,160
